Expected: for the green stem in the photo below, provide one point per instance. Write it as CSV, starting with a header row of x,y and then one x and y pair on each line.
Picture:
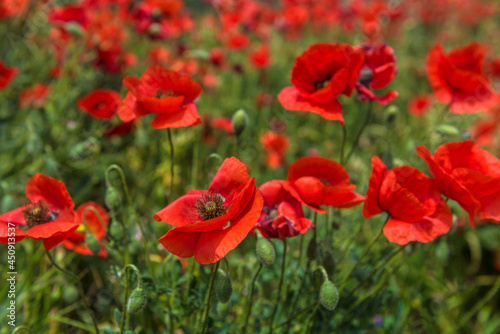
x,y
360,132
283,263
125,317
170,141
80,289
312,316
249,310
344,139
210,295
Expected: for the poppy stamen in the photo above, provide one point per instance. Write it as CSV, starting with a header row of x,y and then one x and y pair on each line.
x,y
38,213
210,205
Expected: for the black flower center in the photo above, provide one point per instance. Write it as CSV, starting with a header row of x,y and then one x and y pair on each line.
x,y
38,213
210,205
321,84
365,76
161,94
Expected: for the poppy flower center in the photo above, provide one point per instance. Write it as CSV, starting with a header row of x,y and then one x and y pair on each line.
x,y
321,84
365,76
38,213
99,105
161,94
325,182
210,205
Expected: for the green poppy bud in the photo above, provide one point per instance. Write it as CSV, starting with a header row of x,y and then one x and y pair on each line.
x,y
391,113
265,251
240,121
223,287
74,29
92,242
112,199
329,295
136,301
447,130
116,230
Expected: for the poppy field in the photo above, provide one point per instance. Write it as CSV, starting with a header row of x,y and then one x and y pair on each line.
x,y
249,166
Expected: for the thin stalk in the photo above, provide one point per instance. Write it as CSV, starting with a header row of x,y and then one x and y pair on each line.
x,y
283,263
360,132
125,300
342,148
249,310
312,316
170,141
210,296
80,289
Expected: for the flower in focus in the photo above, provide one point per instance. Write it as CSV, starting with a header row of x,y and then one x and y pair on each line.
x,y
282,215
276,146
165,93
469,175
48,216
76,241
319,76
35,96
377,72
209,224
100,103
316,181
419,105
6,75
413,201
457,78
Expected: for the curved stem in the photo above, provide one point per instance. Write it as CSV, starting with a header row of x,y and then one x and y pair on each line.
x,y
80,288
210,295
283,262
360,132
171,162
250,297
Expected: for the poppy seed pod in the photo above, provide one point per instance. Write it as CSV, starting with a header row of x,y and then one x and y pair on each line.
x,y
240,121
92,242
112,199
329,295
223,287
265,250
136,301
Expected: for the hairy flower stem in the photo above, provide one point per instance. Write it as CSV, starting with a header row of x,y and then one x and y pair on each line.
x,y
210,296
283,262
249,310
360,132
136,217
80,289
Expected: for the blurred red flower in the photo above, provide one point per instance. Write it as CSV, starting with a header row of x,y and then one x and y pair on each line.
x,y
419,105
316,181
457,78
165,93
319,76
209,224
378,70
260,58
282,215
76,241
100,103
469,175
413,201
237,41
276,146
10,8
209,124
35,96
6,75
49,215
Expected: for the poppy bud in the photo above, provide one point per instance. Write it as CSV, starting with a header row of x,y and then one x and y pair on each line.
x,y
112,199
116,230
329,295
92,242
447,130
265,250
74,29
240,121
223,287
136,301
391,113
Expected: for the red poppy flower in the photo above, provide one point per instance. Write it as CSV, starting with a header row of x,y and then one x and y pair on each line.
x,y
70,13
120,130
260,58
494,67
165,93
319,76
419,105
35,96
412,199
276,146
316,181
6,75
211,223
377,72
282,215
457,78
76,241
100,103
49,215
209,124
469,175
237,42
10,8
159,56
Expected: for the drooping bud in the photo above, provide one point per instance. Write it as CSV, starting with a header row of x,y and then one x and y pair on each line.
x,y
329,295
74,29
447,130
223,287
265,250
240,121
92,243
112,199
137,300
116,230
391,113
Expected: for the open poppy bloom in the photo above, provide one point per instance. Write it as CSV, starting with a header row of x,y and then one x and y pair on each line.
x,y
35,96
100,103
412,199
209,224
92,225
378,70
49,215
319,76
316,181
6,75
458,79
282,215
469,175
165,93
